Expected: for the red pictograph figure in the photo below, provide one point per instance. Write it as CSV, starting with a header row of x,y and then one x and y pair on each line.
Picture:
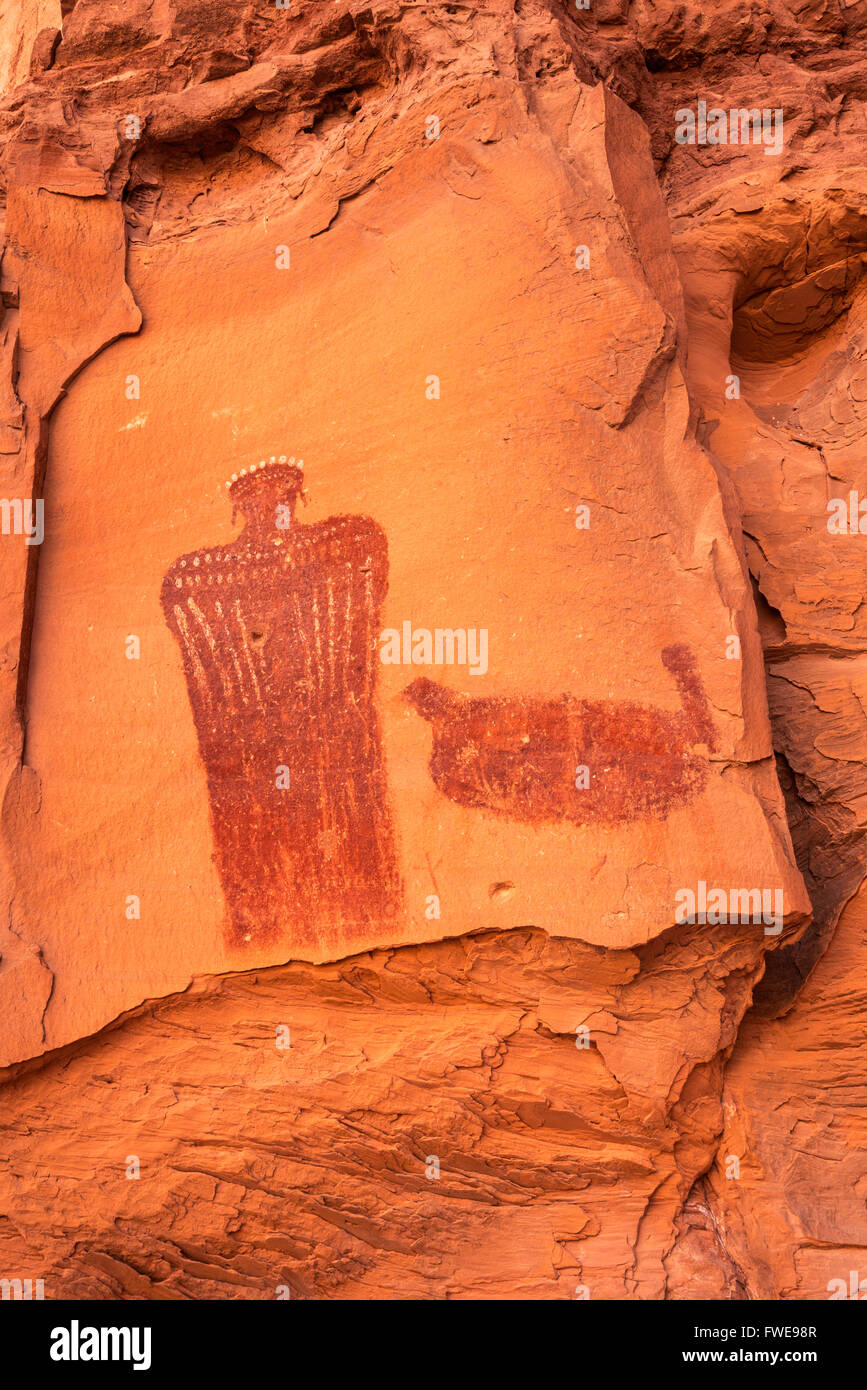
x,y
277,632
526,758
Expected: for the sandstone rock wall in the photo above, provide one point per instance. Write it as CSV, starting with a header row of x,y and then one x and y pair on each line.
x,y
559,377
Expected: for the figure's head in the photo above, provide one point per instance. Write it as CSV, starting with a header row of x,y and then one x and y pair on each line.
x,y
259,490
429,699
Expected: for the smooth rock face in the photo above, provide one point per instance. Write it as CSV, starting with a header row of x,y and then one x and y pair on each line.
x,y
432,718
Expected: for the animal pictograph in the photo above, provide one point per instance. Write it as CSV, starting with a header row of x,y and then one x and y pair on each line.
x,y
526,757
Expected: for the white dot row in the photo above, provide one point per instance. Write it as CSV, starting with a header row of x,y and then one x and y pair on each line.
x,y
263,463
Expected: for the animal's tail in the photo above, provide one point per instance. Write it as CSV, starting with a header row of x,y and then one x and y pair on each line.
x,y
679,660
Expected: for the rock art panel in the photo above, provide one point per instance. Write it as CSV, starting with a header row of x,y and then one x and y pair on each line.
x,y
216,859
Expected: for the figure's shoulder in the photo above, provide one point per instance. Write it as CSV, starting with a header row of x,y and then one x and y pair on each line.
x,y
179,575
346,534
347,525
194,571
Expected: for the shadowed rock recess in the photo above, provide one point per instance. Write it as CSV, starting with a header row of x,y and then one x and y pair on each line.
x,y
431,862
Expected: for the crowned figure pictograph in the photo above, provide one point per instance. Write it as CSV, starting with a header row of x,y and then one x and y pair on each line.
x,y
277,633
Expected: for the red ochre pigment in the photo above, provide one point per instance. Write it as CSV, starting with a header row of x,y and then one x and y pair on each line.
x,y
277,634
519,757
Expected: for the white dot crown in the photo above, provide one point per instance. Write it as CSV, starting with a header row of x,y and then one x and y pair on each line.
x,y
263,463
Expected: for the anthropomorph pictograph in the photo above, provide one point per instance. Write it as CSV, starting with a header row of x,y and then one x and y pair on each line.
x,y
277,633
568,759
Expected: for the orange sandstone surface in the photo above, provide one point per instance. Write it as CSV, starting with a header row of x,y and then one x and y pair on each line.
x,y
433,669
